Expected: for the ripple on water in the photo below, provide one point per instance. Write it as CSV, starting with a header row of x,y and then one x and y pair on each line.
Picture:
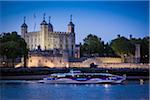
x,y
31,90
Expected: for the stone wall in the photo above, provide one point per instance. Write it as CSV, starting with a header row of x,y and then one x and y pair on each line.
x,y
109,59
39,61
101,62
107,62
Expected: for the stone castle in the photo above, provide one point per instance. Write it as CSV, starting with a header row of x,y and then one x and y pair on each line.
x,y
57,49
49,48
49,40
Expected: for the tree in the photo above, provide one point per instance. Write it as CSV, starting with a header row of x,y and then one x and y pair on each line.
x,y
108,51
92,46
13,46
123,47
145,50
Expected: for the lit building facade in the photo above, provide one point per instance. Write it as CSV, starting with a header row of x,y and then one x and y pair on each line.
x,y
48,39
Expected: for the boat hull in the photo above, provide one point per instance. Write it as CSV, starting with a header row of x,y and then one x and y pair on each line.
x,y
90,81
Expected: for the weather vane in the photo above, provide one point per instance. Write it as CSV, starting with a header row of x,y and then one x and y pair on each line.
x,y
49,18
44,16
70,18
24,19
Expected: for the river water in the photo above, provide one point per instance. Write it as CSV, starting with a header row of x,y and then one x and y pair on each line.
x,y
31,90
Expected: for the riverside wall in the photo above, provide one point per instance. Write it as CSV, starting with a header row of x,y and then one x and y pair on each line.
x,y
101,62
60,62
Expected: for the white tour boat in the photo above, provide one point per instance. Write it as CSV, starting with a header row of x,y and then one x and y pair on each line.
x,y
78,77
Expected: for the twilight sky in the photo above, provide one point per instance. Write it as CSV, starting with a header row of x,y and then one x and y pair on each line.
x,y
105,19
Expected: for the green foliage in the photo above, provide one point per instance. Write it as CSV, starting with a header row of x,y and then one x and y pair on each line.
x,y
122,46
92,46
108,51
12,46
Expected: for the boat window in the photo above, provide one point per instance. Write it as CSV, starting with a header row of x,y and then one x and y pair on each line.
x,y
68,76
99,76
81,76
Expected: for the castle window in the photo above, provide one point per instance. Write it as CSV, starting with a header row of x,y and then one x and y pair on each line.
x,y
66,40
72,53
72,40
60,61
66,46
39,60
51,60
31,46
46,61
30,60
60,45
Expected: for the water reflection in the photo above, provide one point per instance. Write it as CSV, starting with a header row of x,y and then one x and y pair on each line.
x,y
106,85
31,90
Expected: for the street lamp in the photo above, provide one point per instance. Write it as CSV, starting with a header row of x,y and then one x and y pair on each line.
x,y
3,63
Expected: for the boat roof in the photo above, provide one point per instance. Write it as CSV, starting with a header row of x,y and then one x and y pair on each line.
x,y
63,74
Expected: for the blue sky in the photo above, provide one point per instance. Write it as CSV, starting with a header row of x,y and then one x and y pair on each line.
x,y
105,19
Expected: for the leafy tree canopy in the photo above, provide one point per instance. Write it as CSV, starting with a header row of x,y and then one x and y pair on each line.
x,y
122,45
92,45
12,46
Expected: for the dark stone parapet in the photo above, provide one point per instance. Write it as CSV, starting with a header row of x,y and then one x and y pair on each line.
x,y
40,71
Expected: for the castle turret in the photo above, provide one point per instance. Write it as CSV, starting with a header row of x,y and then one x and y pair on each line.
x,y
44,23
24,29
44,33
71,38
50,26
71,26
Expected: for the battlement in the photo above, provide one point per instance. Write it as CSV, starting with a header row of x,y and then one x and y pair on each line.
x,y
33,33
58,32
